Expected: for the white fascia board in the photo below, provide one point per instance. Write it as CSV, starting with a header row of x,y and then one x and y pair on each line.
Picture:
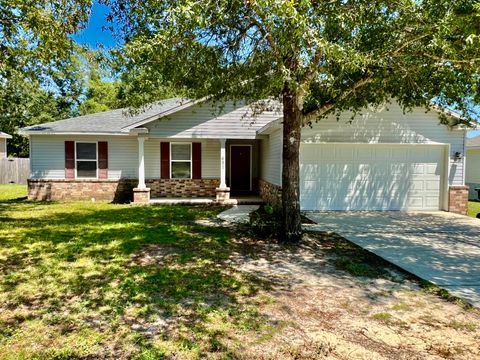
x,y
220,136
165,113
272,125
32,132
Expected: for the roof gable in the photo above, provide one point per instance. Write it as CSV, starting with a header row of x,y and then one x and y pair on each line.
x,y
233,120
117,121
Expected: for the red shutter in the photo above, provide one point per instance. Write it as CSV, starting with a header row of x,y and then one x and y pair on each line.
x,y
69,160
103,160
165,160
196,160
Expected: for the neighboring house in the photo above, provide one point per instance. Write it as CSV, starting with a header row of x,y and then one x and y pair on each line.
x,y
473,166
382,160
3,144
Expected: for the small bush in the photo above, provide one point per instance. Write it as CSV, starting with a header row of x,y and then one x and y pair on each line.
x,y
266,221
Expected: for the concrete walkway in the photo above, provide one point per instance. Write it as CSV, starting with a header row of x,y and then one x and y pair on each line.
x,y
440,247
239,214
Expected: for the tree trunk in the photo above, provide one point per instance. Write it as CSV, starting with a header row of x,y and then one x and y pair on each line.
x,y
292,126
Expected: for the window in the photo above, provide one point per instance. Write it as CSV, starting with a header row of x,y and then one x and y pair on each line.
x,y
86,159
181,161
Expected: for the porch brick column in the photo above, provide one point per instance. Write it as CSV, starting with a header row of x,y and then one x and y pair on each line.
x,y
223,192
141,194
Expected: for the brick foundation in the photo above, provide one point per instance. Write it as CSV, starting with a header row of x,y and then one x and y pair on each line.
x,y
270,193
184,188
69,190
118,190
458,199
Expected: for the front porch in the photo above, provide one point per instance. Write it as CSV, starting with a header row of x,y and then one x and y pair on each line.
x,y
197,171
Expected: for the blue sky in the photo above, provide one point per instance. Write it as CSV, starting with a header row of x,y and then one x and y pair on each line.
x,y
93,35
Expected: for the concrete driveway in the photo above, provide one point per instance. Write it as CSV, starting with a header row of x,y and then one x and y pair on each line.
x,y
440,247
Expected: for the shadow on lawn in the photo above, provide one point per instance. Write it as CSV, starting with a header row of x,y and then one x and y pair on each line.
x,y
151,268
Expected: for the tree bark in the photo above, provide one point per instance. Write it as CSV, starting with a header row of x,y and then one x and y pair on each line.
x,y
292,126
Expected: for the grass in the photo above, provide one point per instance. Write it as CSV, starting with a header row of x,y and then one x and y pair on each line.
x,y
89,280
84,280
473,208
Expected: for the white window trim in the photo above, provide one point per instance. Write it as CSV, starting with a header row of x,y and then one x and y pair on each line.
x,y
96,160
171,160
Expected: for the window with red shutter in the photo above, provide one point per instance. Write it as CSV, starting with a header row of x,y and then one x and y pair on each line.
x,y
69,160
165,160
196,160
103,160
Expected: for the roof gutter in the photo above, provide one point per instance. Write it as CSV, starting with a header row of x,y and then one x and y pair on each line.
x,y
33,132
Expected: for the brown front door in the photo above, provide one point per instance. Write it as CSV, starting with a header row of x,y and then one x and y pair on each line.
x,y
240,168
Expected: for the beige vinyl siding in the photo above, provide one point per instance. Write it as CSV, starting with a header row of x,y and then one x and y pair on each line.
x,y
3,148
271,158
390,126
152,159
473,166
211,159
472,176
234,121
47,155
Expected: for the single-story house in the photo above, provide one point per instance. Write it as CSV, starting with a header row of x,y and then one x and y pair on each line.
x,y
473,166
384,159
3,144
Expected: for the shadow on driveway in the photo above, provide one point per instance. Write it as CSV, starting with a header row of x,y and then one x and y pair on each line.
x,y
441,247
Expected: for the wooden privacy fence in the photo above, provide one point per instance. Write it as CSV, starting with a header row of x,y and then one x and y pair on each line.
x,y
14,170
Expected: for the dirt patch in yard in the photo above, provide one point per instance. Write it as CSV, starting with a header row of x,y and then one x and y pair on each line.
x,y
326,298
328,309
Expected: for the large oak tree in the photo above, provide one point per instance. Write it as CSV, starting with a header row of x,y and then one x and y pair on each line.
x,y
320,57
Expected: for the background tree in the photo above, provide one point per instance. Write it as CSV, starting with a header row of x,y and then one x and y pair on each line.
x,y
40,77
101,94
320,57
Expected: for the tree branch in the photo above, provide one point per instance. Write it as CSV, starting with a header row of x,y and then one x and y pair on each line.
x,y
308,78
312,115
452,61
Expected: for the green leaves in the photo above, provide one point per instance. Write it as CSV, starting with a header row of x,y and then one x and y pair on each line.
x,y
320,49
40,74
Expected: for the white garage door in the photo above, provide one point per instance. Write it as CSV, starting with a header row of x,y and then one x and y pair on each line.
x,y
370,177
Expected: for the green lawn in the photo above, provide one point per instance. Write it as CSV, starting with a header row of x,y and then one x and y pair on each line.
x,y
473,208
104,281
81,280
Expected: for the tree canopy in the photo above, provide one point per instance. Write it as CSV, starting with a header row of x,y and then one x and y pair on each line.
x,y
40,72
321,57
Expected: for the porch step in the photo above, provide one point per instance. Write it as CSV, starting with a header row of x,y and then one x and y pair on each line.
x,y
246,200
182,201
238,200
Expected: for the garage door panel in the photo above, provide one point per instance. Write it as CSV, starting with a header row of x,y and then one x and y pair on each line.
x,y
399,154
309,171
431,202
344,153
370,177
432,185
433,169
